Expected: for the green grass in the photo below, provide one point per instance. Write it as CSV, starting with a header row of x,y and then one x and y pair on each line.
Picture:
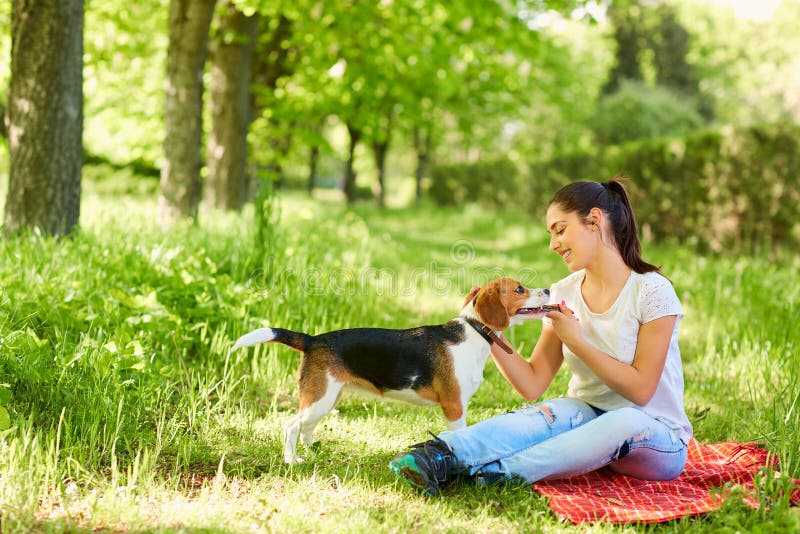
x,y
128,414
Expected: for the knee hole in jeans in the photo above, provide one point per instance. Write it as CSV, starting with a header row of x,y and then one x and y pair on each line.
x,y
548,413
622,451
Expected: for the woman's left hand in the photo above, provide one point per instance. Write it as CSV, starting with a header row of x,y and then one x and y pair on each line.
x,y
566,325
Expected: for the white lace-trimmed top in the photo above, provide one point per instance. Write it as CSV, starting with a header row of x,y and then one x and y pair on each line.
x,y
644,298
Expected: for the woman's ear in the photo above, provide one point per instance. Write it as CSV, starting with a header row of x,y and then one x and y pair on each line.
x,y
595,217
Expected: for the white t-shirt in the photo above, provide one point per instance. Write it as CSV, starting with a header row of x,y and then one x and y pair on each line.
x,y
644,298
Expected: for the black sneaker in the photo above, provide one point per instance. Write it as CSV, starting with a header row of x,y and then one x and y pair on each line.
x,y
429,466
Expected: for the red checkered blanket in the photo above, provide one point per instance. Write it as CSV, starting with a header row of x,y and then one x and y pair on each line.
x,y
606,496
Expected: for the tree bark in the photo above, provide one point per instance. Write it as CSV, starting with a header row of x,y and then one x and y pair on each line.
x,y
313,163
380,149
189,24
279,148
422,144
231,74
3,130
45,116
349,171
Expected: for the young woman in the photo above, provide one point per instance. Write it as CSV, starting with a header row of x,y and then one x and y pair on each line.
x,y
617,330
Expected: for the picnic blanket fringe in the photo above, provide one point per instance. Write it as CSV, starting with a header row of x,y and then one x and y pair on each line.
x,y
713,472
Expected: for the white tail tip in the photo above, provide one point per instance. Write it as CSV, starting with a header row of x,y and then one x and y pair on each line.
x,y
260,335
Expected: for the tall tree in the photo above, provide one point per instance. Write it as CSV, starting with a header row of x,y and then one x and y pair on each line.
x,y
189,24
231,61
3,133
670,43
422,146
627,22
380,148
45,116
349,168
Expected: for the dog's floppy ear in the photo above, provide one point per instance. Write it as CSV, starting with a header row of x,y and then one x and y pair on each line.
x,y
490,308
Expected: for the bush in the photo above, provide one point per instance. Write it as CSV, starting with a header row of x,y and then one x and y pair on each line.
x,y
485,181
726,191
637,111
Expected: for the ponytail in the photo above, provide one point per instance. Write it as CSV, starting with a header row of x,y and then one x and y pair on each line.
x,y
613,199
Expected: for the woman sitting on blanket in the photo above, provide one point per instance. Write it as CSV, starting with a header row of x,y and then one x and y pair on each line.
x,y
617,329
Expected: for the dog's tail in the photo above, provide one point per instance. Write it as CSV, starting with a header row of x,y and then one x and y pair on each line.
x,y
296,340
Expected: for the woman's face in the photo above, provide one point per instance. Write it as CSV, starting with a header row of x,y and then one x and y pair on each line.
x,y
570,237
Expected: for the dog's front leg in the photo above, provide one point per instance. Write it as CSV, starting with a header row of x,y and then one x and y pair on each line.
x,y
458,424
455,414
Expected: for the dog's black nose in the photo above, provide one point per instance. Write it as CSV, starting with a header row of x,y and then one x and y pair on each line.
x,y
547,292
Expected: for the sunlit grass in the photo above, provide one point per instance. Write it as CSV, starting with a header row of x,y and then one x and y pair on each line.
x,y
128,413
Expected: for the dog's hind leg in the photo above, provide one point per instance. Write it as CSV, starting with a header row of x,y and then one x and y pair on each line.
x,y
318,395
290,431
314,412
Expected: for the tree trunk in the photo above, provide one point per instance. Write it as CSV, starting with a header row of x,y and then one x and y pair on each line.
x,y
313,162
279,145
189,23
45,116
3,130
349,172
379,149
231,62
626,24
422,145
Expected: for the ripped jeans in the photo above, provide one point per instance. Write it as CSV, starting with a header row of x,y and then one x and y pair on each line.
x,y
575,438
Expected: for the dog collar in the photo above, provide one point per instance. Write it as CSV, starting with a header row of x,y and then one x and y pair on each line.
x,y
488,334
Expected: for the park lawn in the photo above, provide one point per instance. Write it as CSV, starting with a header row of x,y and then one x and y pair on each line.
x,y
127,413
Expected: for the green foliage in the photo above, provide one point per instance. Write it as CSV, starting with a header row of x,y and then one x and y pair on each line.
x,y
5,398
467,72
637,111
5,49
747,68
124,69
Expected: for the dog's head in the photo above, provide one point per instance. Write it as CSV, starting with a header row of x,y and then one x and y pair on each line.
x,y
505,302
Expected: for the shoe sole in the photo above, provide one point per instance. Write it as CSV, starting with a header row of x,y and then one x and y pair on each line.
x,y
406,468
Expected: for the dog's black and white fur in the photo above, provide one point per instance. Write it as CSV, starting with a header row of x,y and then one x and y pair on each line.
x,y
428,365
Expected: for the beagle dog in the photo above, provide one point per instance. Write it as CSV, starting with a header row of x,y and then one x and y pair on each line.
x,y
428,365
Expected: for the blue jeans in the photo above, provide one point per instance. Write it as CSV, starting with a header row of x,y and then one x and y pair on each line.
x,y
530,445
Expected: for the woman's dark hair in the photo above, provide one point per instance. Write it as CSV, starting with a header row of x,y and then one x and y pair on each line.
x,y
611,197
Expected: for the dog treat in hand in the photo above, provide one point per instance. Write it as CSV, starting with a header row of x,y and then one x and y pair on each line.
x,y
551,307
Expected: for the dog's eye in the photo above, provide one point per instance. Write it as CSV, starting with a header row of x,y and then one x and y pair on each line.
x,y
520,290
